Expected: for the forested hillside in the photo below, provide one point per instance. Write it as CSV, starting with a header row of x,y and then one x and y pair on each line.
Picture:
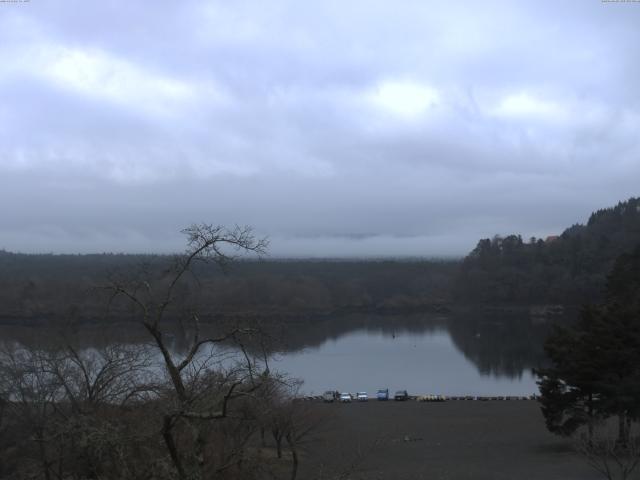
x,y
571,268
36,288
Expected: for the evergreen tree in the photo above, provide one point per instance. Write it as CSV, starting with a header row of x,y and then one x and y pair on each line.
x,y
569,394
595,366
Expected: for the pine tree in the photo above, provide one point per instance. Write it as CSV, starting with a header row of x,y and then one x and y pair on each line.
x,y
595,365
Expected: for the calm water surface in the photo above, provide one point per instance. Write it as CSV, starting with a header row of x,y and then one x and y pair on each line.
x,y
471,354
420,362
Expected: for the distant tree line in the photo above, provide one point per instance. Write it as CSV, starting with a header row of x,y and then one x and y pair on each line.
x,y
42,288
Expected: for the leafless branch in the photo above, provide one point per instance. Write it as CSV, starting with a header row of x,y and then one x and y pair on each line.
x,y
605,454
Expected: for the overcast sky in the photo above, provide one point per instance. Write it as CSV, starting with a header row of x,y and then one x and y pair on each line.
x,y
337,128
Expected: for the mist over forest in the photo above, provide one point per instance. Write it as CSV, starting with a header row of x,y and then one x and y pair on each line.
x,y
569,269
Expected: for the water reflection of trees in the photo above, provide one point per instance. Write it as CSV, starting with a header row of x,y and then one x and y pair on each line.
x,y
295,335
501,345
497,344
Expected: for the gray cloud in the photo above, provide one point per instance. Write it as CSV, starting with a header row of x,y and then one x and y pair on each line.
x,y
337,130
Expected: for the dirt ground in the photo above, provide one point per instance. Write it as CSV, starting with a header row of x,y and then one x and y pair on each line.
x,y
477,440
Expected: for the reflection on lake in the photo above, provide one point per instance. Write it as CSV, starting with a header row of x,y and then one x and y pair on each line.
x,y
478,353
451,356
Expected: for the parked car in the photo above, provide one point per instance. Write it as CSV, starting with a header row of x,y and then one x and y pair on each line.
x,y
401,395
329,396
362,396
345,397
383,394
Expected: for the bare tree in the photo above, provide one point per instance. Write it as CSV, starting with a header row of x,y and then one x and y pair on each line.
x,y
604,452
92,378
194,398
32,395
304,420
133,412
69,411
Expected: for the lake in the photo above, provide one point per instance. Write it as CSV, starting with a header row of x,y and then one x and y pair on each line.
x,y
448,356
420,363
476,353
